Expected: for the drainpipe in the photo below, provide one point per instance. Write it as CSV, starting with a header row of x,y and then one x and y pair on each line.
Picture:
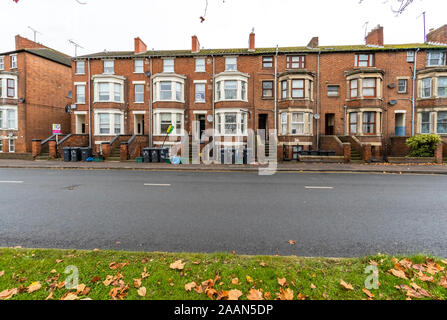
x,y
318,99
89,107
413,98
151,127
215,153
275,90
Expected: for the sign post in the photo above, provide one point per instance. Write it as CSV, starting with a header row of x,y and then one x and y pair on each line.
x,y
57,131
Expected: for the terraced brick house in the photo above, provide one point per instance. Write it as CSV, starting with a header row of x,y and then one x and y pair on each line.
x,y
370,96
35,86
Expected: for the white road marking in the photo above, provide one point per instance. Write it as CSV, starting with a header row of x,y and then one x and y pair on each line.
x,y
156,185
16,182
319,187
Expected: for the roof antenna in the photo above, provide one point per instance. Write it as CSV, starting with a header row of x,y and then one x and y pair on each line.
x,y
425,30
35,33
76,46
366,28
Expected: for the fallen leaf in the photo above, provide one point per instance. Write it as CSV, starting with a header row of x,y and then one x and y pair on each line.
x,y
80,288
190,286
262,264
285,294
95,279
145,274
292,243
59,261
53,271
406,263
282,281
347,286
398,273
301,296
85,292
267,296
254,294
249,279
69,296
235,281
50,296
142,292
108,280
234,294
34,286
368,293
312,286
137,283
177,265
2,273
8,293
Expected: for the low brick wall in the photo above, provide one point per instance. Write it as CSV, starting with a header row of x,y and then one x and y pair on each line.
x,y
411,160
16,156
331,143
76,140
325,159
398,147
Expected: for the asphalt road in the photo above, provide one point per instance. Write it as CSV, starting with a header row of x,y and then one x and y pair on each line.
x,y
346,215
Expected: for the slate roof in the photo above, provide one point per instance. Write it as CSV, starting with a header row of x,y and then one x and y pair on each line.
x,y
45,53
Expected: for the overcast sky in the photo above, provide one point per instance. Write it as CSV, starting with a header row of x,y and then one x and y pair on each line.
x,y
169,24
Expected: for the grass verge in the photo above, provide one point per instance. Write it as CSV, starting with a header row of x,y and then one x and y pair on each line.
x,y
39,274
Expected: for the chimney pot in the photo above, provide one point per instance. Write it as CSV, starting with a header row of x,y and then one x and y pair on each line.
x,y
251,42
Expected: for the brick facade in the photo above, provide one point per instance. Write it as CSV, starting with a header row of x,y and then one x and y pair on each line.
x,y
312,80
42,82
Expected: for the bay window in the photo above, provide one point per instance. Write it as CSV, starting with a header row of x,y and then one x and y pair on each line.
x,y
442,122
231,89
108,88
12,118
104,123
436,58
165,90
169,88
353,119
442,87
109,122
425,122
104,91
297,88
354,88
284,123
168,117
284,89
231,122
11,88
297,123
117,123
244,91
369,87
369,123
426,87
178,91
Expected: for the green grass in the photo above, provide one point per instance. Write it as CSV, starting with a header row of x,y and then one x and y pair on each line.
x,y
24,266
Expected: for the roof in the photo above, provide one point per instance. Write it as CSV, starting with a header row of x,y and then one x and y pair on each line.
x,y
260,51
46,53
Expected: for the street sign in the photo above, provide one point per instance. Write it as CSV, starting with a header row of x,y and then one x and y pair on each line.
x,y
57,129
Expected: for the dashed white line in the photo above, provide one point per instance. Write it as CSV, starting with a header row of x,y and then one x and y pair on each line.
x,y
309,187
156,185
15,182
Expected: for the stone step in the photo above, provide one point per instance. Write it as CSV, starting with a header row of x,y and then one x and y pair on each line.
x,y
113,159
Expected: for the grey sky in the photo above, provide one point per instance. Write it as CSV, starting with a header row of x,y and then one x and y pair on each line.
x,y
169,24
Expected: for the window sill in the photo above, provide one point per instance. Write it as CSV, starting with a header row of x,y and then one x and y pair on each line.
x,y
200,102
79,74
232,100
268,98
108,102
139,102
169,101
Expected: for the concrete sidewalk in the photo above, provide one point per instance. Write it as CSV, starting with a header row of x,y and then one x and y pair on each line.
x,y
282,167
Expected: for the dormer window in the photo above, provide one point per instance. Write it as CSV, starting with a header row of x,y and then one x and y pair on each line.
x,y
364,60
295,62
436,58
109,67
168,65
230,64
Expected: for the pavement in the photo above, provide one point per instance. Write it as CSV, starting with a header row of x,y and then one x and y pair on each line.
x,y
292,166
327,214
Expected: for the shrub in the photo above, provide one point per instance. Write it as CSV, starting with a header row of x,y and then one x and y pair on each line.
x,y
423,145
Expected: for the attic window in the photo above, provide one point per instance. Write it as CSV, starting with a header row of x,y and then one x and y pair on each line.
x,y
364,60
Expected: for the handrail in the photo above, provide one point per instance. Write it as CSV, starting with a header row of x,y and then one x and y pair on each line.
x,y
48,140
65,139
114,139
131,139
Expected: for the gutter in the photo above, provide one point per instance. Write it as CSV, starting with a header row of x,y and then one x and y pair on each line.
x,y
413,98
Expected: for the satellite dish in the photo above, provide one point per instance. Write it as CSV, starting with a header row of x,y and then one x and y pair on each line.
x,y
317,116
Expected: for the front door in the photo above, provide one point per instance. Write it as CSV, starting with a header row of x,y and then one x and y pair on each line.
x,y
399,126
330,124
139,124
202,127
262,123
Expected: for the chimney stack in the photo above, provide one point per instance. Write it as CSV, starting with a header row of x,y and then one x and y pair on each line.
x,y
195,44
251,42
313,43
140,46
24,43
438,35
375,36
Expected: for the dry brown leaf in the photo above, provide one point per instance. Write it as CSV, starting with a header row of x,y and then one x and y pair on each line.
x,y
234,294
108,280
34,286
235,281
142,292
8,293
398,273
262,264
50,296
145,274
80,288
2,273
347,286
443,282
444,261
282,281
190,286
95,279
301,296
406,263
177,265
368,293
85,292
254,294
137,283
312,286
224,294
59,260
285,294
69,296
267,296
53,271
292,242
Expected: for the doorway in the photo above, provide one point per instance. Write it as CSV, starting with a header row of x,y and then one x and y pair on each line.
x,y
330,124
80,124
262,123
200,118
139,124
399,124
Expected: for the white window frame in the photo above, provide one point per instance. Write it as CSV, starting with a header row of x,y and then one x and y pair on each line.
x,y
78,63
111,113
410,56
297,123
138,68
422,91
12,143
230,61
199,66
112,67
173,79
173,113
2,62
4,125
406,86
438,86
220,89
284,123
167,65
138,85
440,61
241,122
430,122
14,63
4,85
332,93
201,93
111,80
78,86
